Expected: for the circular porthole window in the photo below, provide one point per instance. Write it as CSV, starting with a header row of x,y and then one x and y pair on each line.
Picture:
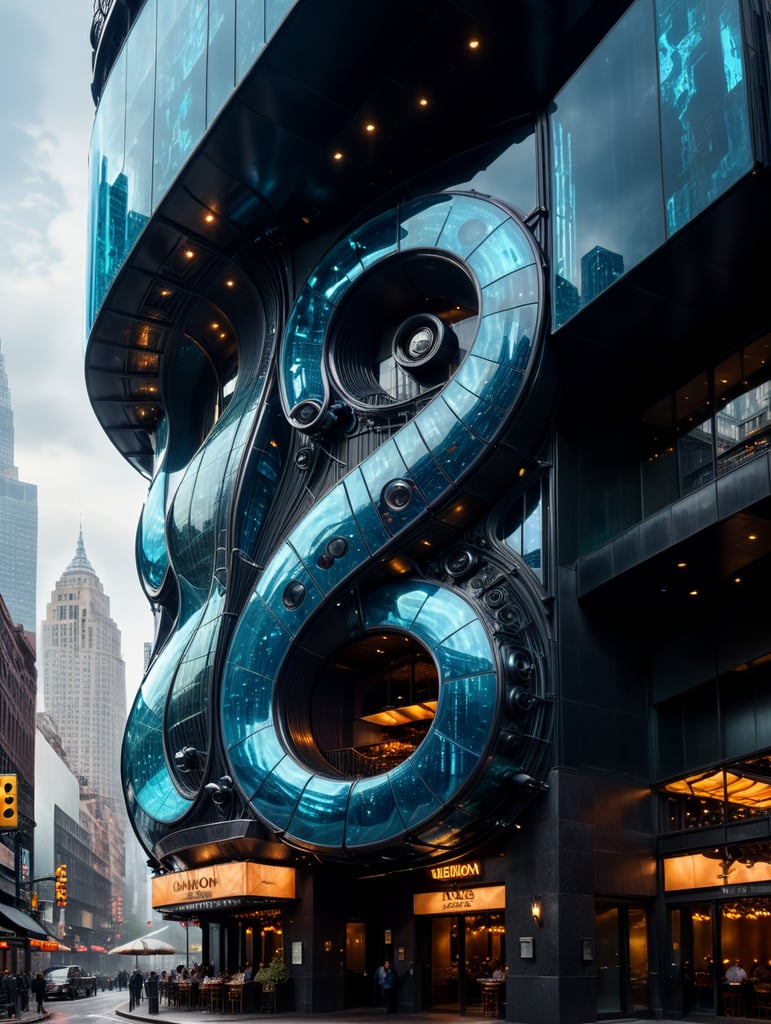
x,y
402,329
371,706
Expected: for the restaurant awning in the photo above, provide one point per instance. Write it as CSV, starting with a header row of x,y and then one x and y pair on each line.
x,y
22,923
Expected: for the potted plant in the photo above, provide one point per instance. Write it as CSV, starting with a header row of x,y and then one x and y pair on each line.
x,y
275,973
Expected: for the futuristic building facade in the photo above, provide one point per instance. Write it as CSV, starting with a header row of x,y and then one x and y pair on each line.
x,y
437,330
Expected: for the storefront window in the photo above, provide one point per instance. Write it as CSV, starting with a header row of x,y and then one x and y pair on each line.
x,y
718,796
720,419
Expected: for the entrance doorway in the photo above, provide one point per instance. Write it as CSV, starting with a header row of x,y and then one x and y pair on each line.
x,y
458,951
622,959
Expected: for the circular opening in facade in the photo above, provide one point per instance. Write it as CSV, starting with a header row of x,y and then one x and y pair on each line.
x,y
370,707
385,330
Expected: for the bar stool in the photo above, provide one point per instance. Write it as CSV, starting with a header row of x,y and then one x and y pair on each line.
x,y
491,1000
269,999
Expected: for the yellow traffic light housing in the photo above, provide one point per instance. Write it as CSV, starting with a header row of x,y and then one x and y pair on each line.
x,y
9,802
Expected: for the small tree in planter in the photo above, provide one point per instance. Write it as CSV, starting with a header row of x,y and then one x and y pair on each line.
x,y
274,974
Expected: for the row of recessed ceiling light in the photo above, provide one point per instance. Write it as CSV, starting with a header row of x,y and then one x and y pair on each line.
x,y
423,102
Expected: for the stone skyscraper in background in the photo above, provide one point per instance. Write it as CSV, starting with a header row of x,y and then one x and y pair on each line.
x,y
84,675
18,523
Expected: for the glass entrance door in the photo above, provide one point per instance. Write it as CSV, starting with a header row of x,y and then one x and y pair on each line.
x,y
459,950
622,959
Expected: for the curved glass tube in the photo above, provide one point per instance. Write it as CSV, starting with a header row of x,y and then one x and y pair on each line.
x,y
452,433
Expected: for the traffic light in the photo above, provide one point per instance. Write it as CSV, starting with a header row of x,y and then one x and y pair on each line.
x,y
60,885
9,802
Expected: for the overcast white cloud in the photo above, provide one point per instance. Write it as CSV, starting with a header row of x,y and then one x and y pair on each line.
x,y
46,114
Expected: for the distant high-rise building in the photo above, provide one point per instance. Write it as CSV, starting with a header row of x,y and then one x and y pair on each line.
x,y
18,523
84,675
599,269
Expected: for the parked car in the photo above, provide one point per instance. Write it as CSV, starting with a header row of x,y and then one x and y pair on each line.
x,y
68,983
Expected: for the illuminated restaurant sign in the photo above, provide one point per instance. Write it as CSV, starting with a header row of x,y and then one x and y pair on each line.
x,y
466,869
459,899
217,883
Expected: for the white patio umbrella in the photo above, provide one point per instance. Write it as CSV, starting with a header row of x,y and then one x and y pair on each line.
x,y
147,946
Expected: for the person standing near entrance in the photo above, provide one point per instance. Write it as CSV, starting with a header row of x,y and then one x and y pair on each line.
x,y
385,979
38,989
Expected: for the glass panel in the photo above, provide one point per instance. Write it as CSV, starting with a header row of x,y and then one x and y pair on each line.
x,y
152,555
330,517
659,458
275,10
221,77
533,531
180,99
742,427
250,34
370,523
451,443
510,176
423,469
413,798
705,137
606,185
443,765
372,813
387,465
466,707
468,224
301,359
107,191
355,947
694,425
609,963
140,100
319,817
278,795
703,963
187,710
637,921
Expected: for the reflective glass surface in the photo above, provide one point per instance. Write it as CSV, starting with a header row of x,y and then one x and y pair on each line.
x,y
145,768
250,33
319,817
662,98
178,67
108,191
715,422
180,88
373,815
330,517
705,134
220,74
369,522
187,713
607,206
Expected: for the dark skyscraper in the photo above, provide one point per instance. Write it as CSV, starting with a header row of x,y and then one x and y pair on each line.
x,y
18,523
599,268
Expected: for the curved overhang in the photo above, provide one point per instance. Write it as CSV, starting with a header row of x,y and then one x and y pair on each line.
x,y
267,166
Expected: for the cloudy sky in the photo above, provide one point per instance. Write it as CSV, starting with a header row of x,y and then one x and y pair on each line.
x,y
46,114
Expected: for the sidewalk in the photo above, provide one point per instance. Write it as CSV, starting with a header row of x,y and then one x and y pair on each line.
x,y
361,1015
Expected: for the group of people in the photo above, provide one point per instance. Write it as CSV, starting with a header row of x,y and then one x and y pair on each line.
x,y
17,988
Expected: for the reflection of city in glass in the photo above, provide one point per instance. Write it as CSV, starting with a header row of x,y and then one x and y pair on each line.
x,y
189,59
625,123
686,442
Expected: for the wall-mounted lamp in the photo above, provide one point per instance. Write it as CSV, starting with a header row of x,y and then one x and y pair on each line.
x,y
536,911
